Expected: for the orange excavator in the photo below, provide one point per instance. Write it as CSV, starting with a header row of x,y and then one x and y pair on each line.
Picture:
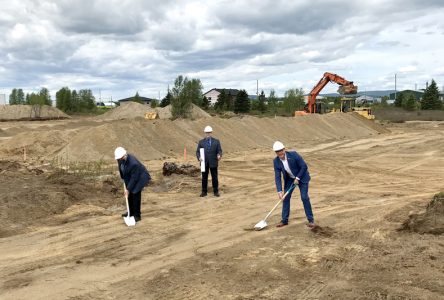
x,y
346,88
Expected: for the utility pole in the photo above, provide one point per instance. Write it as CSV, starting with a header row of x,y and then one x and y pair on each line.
x,y
395,87
257,88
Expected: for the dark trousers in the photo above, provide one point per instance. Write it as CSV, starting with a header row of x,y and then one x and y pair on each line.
x,y
134,201
303,189
214,180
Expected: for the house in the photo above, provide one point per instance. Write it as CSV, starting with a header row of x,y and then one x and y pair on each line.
x,y
214,93
144,100
364,99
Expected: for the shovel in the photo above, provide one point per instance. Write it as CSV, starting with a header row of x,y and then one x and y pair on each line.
x,y
129,221
262,224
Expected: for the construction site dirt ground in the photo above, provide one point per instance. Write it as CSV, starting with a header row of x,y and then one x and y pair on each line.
x,y
62,236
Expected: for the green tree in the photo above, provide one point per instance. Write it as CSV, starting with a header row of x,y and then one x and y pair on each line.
x,y
272,102
409,102
181,103
194,91
137,99
63,99
20,97
153,103
44,93
399,99
293,100
205,103
166,100
261,103
75,101
222,101
36,101
430,99
13,97
87,100
242,103
384,101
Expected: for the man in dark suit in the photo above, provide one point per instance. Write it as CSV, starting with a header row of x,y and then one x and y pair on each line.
x,y
213,153
291,166
135,176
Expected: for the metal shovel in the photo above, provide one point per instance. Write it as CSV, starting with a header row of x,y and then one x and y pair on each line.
x,y
262,224
129,220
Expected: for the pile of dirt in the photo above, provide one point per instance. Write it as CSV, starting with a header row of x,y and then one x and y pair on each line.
x,y
32,195
170,168
28,112
431,221
131,110
159,139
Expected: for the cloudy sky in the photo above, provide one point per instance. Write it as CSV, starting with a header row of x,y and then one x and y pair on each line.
x,y
116,48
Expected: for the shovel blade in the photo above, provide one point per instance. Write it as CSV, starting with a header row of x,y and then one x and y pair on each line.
x,y
129,221
261,225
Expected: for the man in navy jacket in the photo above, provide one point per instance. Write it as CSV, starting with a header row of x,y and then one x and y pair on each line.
x,y
213,153
135,176
292,167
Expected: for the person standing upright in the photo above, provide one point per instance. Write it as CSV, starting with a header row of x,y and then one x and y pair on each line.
x,y
213,153
292,167
135,176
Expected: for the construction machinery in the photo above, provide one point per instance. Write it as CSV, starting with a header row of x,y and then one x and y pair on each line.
x,y
346,88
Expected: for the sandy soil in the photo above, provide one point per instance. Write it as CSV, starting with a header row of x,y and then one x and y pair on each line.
x,y
62,236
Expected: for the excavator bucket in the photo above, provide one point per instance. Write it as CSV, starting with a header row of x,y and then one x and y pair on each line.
x,y
348,89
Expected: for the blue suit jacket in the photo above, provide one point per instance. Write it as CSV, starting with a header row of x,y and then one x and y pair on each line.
x,y
134,174
297,166
210,154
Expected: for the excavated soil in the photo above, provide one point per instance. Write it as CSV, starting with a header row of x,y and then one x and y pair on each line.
x,y
62,236
28,112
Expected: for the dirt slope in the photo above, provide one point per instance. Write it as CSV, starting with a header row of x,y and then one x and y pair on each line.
x,y
26,112
158,139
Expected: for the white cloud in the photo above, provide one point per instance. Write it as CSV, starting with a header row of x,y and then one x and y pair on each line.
x,y
120,47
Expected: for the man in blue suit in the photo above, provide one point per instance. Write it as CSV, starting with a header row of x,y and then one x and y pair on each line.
x,y
291,166
213,154
135,176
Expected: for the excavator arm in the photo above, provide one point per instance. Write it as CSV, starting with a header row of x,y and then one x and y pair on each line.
x,y
346,87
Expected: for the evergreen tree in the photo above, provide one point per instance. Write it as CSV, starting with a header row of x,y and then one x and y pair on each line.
x,y
137,99
76,105
242,103
409,102
153,103
13,97
194,91
205,103
166,100
430,98
399,99
261,103
221,102
21,97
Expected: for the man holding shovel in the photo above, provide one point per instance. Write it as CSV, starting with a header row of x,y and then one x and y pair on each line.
x,y
293,168
212,153
135,176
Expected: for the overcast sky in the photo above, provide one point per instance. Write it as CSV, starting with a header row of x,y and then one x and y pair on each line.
x,y
121,47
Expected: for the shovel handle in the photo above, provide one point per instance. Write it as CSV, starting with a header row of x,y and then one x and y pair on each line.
x,y
126,198
283,197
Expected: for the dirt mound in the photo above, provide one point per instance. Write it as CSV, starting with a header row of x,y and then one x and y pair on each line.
x,y
128,110
431,221
133,110
27,112
170,168
31,195
159,139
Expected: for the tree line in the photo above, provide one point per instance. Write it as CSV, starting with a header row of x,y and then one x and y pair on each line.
x,y
429,100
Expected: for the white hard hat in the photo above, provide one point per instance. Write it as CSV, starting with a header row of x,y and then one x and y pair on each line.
x,y
278,146
119,152
208,129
